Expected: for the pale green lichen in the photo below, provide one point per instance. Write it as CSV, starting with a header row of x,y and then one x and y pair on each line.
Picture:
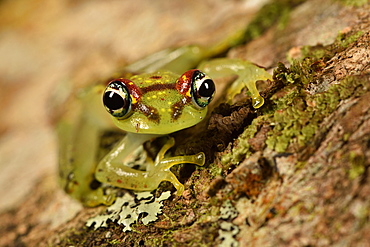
x,y
228,230
226,233
228,211
125,211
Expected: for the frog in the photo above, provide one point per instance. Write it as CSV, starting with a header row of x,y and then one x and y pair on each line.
x,y
159,100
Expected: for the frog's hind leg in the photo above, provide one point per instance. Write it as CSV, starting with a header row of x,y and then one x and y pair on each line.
x,y
78,144
79,129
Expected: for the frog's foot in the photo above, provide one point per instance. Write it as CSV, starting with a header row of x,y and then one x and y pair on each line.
x,y
170,177
247,72
161,169
93,198
89,193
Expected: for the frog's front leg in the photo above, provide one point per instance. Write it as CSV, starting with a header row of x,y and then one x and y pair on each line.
x,y
113,171
247,72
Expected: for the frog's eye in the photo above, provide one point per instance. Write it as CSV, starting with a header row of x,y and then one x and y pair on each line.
x,y
202,89
116,99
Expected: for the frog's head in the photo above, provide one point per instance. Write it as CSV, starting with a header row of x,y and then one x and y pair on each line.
x,y
159,103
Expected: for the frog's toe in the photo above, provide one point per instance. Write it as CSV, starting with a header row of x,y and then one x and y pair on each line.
x,y
97,197
180,190
257,101
173,179
199,159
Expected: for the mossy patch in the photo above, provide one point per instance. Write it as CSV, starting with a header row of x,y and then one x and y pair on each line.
x,y
243,148
358,164
307,97
344,40
273,13
322,53
355,3
299,114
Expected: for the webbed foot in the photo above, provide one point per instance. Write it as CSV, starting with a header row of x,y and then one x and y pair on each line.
x,y
161,169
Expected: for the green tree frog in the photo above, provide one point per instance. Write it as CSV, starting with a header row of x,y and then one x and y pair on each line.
x,y
146,106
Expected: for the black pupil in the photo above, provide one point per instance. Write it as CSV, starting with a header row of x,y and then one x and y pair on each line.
x,y
113,100
207,88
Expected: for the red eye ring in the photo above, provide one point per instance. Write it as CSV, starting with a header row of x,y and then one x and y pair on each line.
x,y
197,85
119,97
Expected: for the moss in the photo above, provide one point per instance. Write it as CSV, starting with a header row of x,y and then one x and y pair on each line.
x,y
300,73
275,12
298,114
343,40
73,236
214,170
243,148
114,242
165,237
296,122
358,163
316,52
355,3
324,53
295,113
304,101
